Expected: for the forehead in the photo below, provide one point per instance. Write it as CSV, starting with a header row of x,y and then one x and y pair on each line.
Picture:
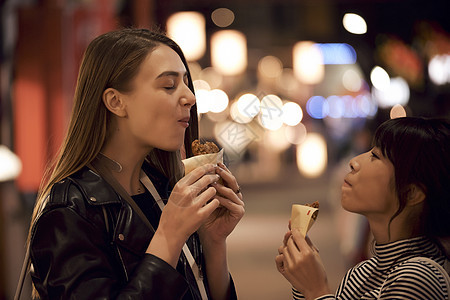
x,y
162,59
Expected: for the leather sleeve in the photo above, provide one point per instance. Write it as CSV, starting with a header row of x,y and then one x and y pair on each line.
x,y
72,260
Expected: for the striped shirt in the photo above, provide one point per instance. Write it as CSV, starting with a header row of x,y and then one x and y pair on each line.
x,y
393,273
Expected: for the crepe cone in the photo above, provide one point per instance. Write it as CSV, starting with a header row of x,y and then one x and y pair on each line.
x,y
196,161
303,217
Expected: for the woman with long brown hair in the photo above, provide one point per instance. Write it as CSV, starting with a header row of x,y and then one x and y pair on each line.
x,y
116,217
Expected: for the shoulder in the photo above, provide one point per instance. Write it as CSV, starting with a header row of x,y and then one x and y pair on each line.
x,y
80,192
424,266
420,277
84,184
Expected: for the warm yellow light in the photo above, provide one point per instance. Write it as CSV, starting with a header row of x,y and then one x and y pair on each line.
x,y
270,67
296,134
312,155
229,52
211,76
10,164
219,100
308,63
292,113
222,17
276,139
201,85
271,116
238,116
202,100
354,23
249,105
397,111
351,80
187,29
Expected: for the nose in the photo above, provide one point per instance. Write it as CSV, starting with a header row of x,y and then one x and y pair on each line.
x,y
188,97
354,165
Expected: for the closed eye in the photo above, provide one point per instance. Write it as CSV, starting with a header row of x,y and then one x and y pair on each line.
x,y
374,155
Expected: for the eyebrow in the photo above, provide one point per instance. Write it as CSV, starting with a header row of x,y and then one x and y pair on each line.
x,y
170,73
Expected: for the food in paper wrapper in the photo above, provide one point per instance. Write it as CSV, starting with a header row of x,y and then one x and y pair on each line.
x,y
304,216
207,153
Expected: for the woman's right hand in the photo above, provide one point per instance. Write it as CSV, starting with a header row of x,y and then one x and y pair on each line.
x,y
190,204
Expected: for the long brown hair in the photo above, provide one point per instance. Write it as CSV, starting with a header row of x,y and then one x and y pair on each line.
x,y
111,60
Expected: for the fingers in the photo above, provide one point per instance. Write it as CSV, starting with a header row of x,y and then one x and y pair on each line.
x,y
197,173
279,261
287,235
228,193
299,239
228,178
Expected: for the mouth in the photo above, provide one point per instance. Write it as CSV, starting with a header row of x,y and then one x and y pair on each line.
x,y
184,122
347,183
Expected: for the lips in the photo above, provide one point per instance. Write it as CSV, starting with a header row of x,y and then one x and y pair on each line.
x,y
347,183
184,122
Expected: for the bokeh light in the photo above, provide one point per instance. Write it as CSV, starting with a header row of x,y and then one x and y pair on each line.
x,y
312,155
396,93
238,116
317,107
397,111
296,134
187,28
270,67
292,113
11,164
354,23
201,85
380,78
229,52
337,53
219,100
271,115
202,101
276,139
439,69
222,17
351,80
249,105
308,63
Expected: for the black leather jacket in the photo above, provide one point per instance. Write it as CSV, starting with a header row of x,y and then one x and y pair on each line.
x,y
75,254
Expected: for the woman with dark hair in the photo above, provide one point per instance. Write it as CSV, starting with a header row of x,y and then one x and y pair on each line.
x,y
402,187
116,217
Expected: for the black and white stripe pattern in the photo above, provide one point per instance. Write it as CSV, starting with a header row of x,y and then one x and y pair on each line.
x,y
393,274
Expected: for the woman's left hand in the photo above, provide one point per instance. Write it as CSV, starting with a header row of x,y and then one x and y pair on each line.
x,y
225,218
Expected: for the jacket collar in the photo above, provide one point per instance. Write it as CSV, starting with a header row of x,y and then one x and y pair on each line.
x,y
97,190
100,192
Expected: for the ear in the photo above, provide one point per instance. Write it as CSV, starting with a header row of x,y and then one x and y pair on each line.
x,y
416,195
114,102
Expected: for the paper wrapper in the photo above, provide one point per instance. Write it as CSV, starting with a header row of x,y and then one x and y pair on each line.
x,y
303,217
196,161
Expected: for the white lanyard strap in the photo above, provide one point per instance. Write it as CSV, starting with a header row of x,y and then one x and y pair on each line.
x,y
195,269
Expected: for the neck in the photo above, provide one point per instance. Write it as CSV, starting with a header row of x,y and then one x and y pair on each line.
x,y
125,166
404,226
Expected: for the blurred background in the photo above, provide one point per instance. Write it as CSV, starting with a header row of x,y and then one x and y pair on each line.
x,y
291,89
